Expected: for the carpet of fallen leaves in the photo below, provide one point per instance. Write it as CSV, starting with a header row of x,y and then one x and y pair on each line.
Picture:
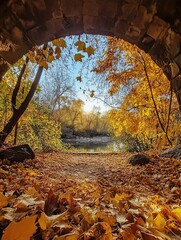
x,y
81,196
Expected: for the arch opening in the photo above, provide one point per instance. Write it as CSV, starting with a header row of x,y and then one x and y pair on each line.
x,y
154,26
127,80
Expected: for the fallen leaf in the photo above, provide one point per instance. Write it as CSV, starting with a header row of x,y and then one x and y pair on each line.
x,y
111,220
159,221
177,213
3,200
51,203
22,230
100,230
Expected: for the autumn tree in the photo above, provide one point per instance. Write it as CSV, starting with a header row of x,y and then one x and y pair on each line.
x,y
145,111
42,56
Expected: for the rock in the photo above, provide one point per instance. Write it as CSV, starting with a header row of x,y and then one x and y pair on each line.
x,y
139,159
172,153
17,153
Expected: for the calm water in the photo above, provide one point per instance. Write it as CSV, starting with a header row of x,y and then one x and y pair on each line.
x,y
94,144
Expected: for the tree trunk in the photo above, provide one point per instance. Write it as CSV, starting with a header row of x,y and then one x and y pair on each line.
x,y
15,134
19,112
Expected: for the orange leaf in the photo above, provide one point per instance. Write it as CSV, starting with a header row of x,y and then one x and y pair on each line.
x,y
3,200
22,230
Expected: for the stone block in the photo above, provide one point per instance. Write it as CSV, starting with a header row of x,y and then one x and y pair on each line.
x,y
128,11
158,28
106,24
73,8
178,60
133,34
142,18
108,8
173,42
90,24
146,43
176,82
121,28
174,69
90,8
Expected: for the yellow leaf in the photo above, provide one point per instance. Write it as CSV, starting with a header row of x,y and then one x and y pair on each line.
x,y
59,43
50,58
55,42
22,230
62,43
159,221
45,52
43,64
106,218
120,197
78,57
57,50
92,93
3,200
177,213
100,230
79,78
89,50
80,45
43,221
58,55
3,171
46,222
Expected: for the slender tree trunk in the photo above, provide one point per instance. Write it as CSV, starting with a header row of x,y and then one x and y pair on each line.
x,y
165,130
15,134
19,112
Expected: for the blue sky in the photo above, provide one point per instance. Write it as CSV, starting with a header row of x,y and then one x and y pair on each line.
x,y
83,69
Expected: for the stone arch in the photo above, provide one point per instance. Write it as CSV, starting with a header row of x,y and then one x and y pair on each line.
x,y
153,25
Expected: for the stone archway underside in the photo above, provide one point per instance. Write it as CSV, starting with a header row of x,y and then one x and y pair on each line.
x,y
153,25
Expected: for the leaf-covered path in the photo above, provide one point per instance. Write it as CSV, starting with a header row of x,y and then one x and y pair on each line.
x,y
161,176
100,196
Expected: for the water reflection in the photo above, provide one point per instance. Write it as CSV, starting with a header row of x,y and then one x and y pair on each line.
x,y
95,144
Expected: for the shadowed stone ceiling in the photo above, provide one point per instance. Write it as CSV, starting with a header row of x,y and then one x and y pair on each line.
x,y
154,26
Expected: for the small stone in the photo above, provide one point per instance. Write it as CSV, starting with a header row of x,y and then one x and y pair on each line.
x,y
139,159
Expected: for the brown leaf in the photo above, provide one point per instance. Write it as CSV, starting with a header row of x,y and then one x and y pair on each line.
x,y
51,203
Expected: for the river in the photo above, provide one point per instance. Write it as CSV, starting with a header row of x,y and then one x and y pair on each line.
x,y
94,144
